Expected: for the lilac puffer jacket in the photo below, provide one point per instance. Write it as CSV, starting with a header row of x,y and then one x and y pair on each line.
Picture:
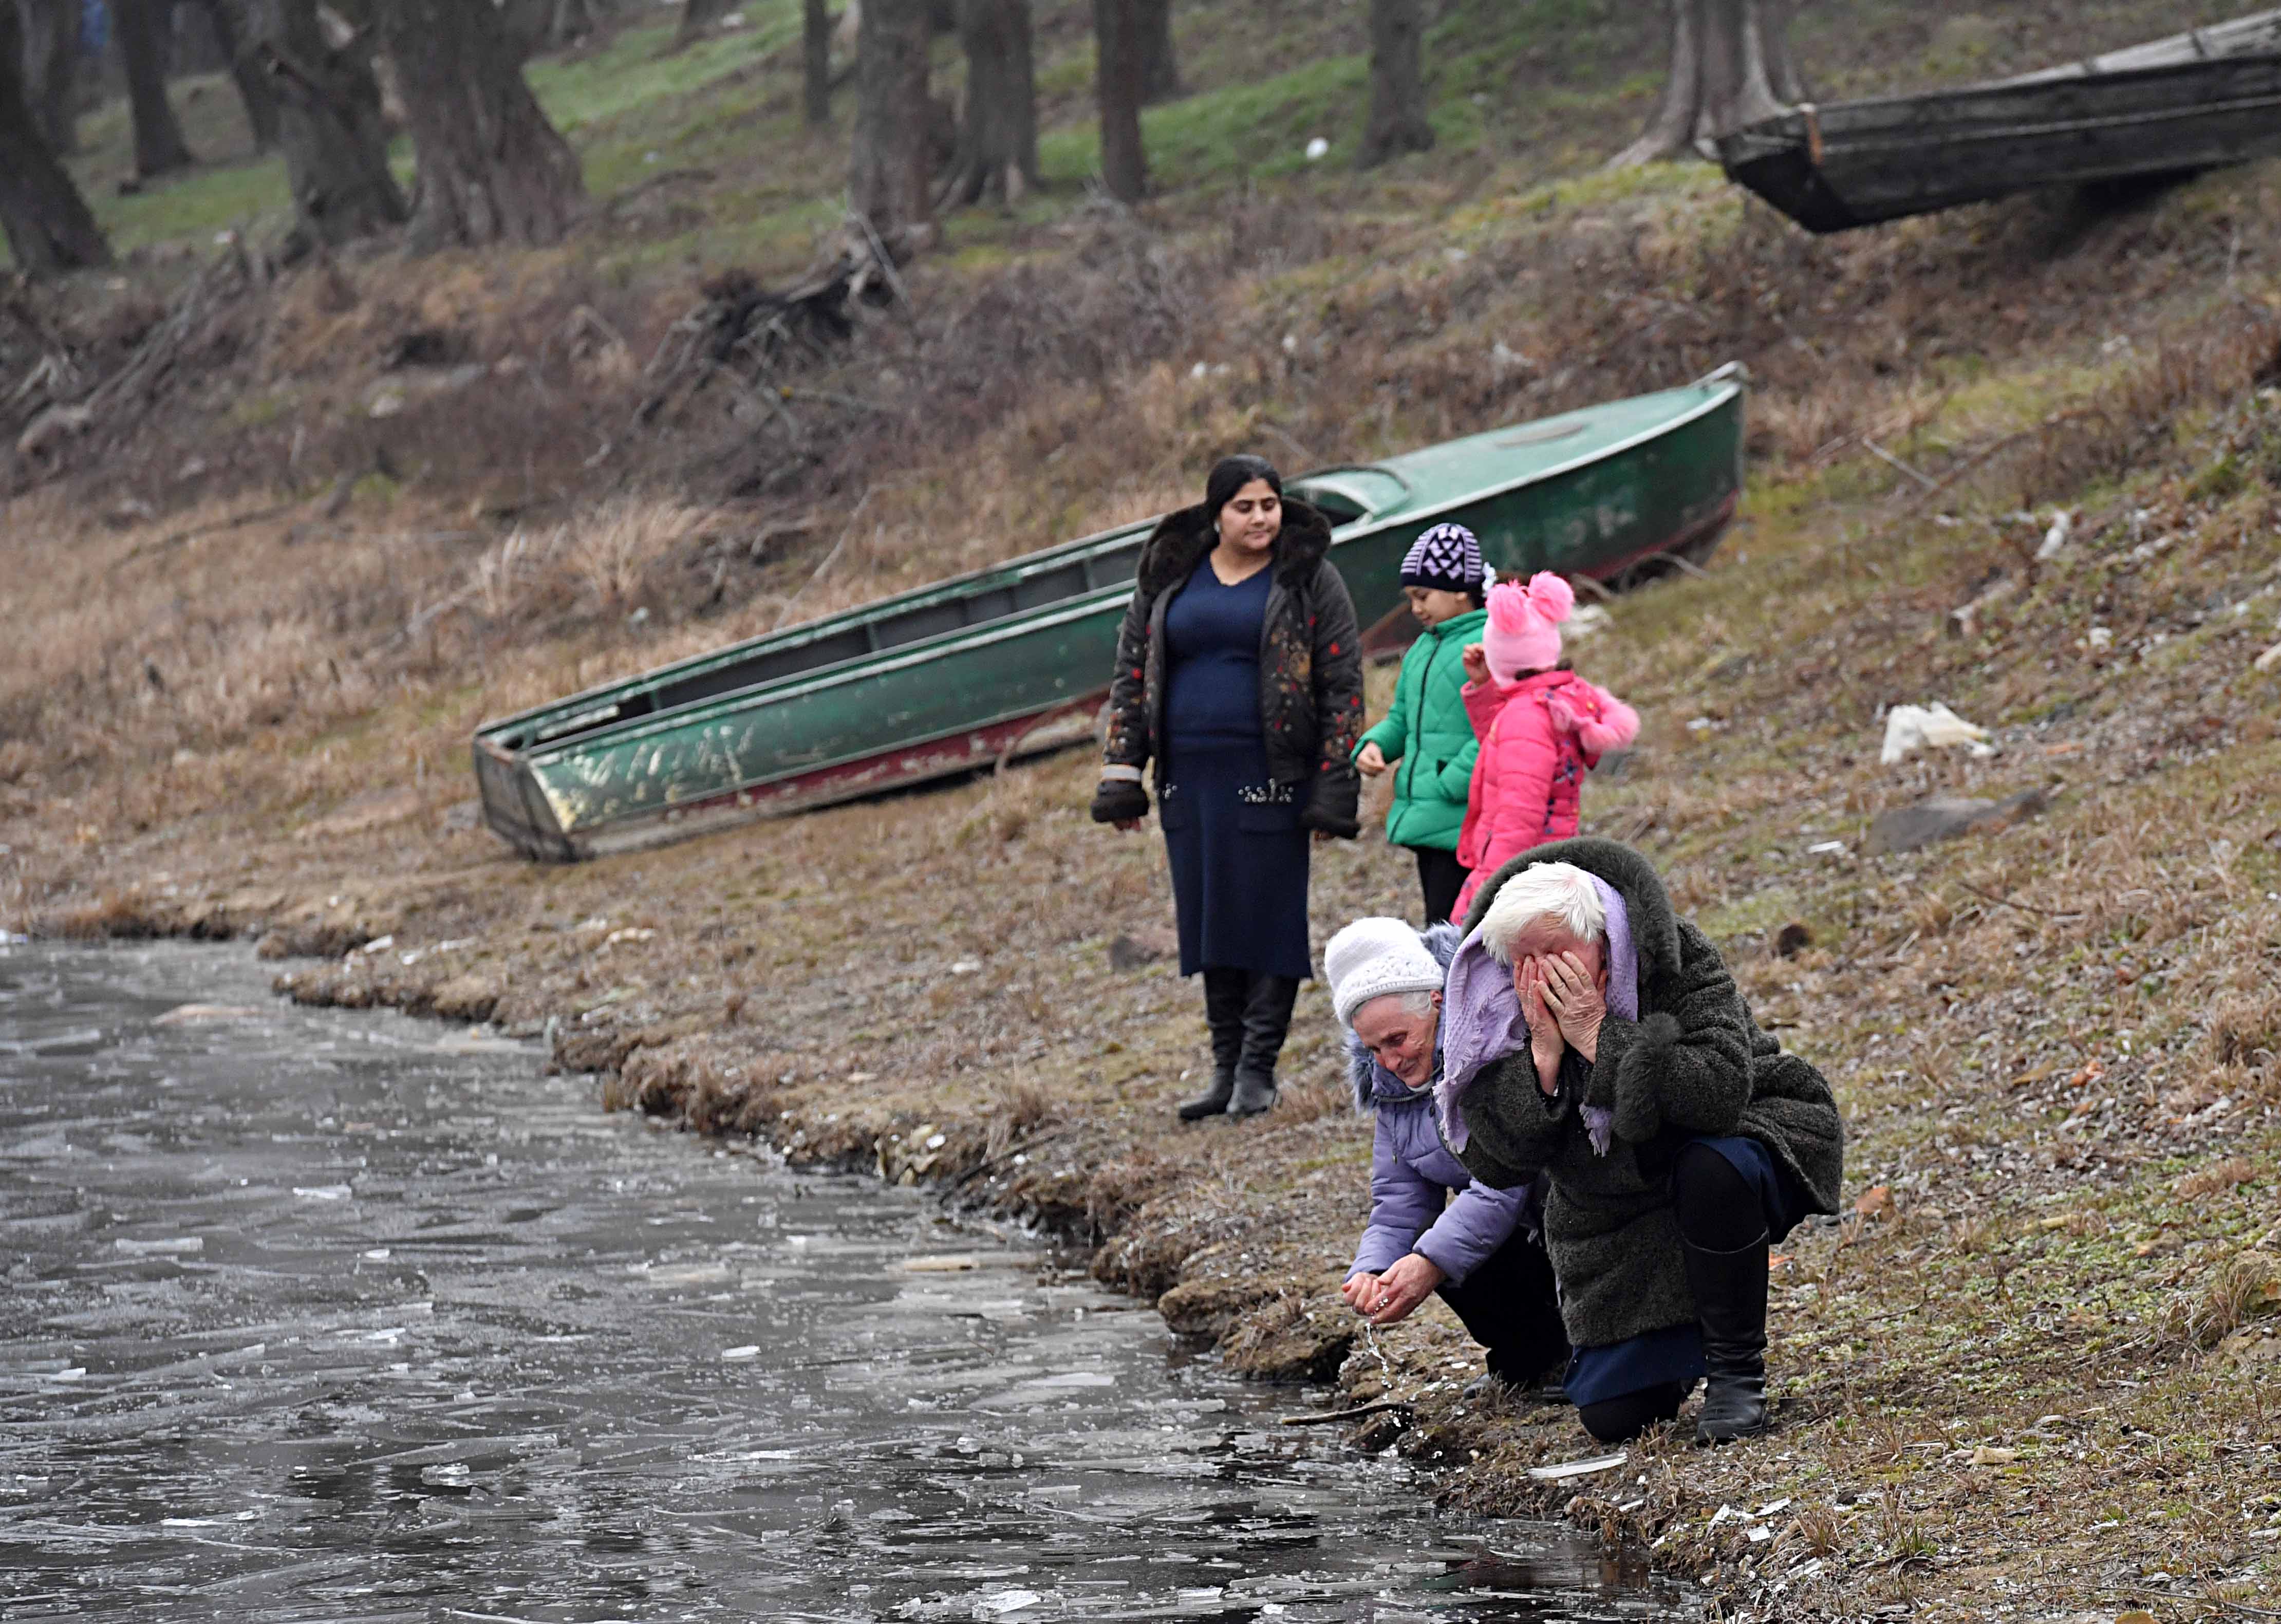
x,y
1413,1173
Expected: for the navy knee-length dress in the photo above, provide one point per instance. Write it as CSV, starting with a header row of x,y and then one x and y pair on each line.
x,y
1239,854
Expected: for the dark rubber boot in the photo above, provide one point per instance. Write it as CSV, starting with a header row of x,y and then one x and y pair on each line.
x,y
1225,993
1730,1301
1266,1022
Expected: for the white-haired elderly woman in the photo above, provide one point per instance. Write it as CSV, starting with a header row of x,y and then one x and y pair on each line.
x,y
1433,1227
1594,1039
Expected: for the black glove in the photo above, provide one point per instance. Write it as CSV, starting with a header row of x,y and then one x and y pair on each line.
x,y
1119,800
1334,804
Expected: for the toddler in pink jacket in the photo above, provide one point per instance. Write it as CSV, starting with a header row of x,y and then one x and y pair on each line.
x,y
1542,728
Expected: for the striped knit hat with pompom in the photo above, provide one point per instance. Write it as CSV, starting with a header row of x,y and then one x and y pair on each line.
x,y
1447,558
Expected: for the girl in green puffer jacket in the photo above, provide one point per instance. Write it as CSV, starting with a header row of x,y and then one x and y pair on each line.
x,y
1425,740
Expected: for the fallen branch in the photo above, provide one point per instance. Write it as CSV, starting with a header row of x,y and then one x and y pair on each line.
x,y
2028,907
1355,1415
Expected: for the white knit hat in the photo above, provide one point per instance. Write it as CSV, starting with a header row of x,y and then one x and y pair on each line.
x,y
1373,957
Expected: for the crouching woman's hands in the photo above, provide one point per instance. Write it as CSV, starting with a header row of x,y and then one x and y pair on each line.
x,y
1391,1297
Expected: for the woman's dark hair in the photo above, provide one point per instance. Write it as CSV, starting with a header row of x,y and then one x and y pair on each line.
x,y
1230,474
1478,596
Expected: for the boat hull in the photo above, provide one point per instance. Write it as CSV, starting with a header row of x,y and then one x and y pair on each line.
x,y
1855,164
974,695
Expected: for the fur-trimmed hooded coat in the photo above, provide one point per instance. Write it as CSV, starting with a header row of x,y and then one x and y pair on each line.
x,y
1695,1065
1310,662
1413,1177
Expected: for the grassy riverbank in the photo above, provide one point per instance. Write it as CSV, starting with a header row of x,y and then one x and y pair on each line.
x,y
2030,1370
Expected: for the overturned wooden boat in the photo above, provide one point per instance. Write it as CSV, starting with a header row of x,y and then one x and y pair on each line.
x,y
1014,660
2193,101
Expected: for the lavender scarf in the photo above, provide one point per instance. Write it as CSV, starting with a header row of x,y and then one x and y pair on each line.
x,y
1481,1019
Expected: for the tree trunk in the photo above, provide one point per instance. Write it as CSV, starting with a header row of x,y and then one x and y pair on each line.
x,y
1730,65
330,122
46,220
815,63
1160,69
1397,95
998,140
254,88
492,169
1118,86
697,18
52,71
159,143
888,172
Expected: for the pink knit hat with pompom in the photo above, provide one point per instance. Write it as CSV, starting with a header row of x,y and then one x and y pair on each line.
x,y
1524,629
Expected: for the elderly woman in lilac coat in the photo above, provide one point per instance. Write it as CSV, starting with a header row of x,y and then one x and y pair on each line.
x,y
1433,1227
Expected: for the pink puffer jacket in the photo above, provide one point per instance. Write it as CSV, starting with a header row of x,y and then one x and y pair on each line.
x,y
1539,736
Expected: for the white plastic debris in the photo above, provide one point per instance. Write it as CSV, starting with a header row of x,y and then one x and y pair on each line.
x,y
750,1350
1000,1603
966,967
2100,637
1577,1468
1912,728
1825,848
1317,149
2055,539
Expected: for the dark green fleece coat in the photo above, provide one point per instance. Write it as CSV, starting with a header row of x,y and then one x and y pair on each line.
x,y
1694,1065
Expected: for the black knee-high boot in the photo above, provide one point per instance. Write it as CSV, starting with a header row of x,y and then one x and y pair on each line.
x,y
1266,1022
1225,993
1730,1301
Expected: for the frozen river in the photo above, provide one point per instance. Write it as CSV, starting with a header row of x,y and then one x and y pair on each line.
x,y
318,1316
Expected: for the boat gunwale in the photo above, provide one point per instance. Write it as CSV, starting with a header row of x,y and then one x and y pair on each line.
x,y
802,684
917,597
1801,113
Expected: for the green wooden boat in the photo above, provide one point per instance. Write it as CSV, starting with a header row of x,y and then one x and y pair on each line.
x,y
1011,661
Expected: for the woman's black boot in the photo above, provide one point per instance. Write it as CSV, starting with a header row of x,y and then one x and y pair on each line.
x,y
1226,993
1730,1301
1267,1021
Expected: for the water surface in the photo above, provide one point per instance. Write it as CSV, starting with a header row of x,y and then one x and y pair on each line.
x,y
318,1316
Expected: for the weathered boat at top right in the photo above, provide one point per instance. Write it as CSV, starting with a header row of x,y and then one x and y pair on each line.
x,y
2193,101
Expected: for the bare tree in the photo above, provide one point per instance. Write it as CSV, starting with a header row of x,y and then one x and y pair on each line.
x,y
815,63
1730,65
1118,82
697,18
887,179
47,222
330,122
51,70
1160,69
159,143
491,169
1397,94
254,87
997,152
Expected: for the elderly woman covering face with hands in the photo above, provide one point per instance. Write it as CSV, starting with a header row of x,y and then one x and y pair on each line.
x,y
1594,1039
1433,1227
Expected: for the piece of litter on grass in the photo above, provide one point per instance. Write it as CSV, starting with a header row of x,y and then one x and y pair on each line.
x,y
1567,1469
2055,539
2269,660
322,1192
1825,848
1771,1507
1757,1537
378,1253
1317,149
950,1265
1992,1455
1912,728
750,1350
144,1248
966,967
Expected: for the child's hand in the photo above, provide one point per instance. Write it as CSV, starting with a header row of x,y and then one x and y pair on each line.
x,y
1371,761
1477,662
